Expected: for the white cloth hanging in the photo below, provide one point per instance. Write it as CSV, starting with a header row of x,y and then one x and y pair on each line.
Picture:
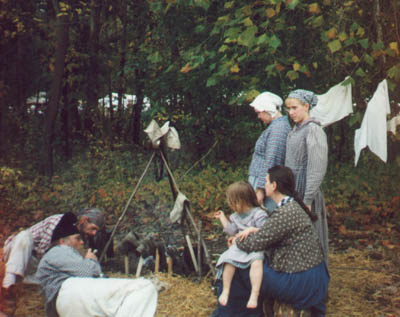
x,y
373,130
176,213
155,133
334,105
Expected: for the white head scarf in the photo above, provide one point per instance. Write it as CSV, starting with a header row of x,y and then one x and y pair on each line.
x,y
268,102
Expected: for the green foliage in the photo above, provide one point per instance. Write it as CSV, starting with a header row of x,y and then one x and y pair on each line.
x,y
365,195
11,187
356,199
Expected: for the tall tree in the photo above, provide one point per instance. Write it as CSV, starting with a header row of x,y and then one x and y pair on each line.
x,y
62,27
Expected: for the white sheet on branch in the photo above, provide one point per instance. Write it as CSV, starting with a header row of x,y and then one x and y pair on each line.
x,y
334,105
373,130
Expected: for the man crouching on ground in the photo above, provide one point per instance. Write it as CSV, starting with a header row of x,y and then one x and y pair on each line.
x,y
72,285
23,251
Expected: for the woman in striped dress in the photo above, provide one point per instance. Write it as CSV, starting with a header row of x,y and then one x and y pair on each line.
x,y
307,156
270,147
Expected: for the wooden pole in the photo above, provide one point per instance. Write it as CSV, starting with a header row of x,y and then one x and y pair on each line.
x,y
126,262
157,262
126,208
190,216
206,253
169,263
139,266
199,250
190,246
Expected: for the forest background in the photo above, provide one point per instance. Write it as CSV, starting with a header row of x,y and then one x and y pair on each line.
x,y
196,64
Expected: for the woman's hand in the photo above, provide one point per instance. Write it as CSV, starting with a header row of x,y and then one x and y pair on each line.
x,y
245,233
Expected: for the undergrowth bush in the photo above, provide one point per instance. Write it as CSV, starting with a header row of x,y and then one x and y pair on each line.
x,y
364,195
355,196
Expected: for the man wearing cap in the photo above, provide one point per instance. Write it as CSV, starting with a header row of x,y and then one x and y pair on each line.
x,y
73,286
23,251
270,147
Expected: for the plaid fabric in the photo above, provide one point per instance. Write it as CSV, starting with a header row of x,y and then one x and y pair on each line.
x,y
270,149
42,233
285,200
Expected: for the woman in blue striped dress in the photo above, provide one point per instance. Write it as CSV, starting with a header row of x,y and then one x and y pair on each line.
x,y
270,147
307,156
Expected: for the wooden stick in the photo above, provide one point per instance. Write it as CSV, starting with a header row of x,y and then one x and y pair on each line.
x,y
202,158
190,246
157,264
169,263
199,250
126,262
206,253
126,208
139,267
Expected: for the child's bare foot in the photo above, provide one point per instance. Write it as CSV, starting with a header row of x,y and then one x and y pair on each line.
x,y
223,298
253,300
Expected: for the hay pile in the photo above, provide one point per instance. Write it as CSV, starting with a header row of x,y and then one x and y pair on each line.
x,y
363,283
185,298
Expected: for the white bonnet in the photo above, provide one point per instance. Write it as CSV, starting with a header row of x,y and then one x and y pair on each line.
x,y
267,101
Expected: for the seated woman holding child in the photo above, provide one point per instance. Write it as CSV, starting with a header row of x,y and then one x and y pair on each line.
x,y
295,273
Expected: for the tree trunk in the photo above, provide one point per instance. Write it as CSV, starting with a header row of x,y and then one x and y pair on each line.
x,y
52,110
92,91
378,25
137,107
122,80
66,124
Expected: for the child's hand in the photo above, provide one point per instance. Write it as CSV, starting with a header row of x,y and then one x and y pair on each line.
x,y
245,233
219,214
231,241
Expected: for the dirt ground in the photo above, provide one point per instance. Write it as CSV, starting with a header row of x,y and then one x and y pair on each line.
x,y
365,280
363,283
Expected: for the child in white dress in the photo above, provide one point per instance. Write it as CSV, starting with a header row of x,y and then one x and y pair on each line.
x,y
248,213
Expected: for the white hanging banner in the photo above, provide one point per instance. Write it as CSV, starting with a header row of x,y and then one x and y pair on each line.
x,y
334,105
373,130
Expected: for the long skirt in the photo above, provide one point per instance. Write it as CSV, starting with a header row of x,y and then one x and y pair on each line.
x,y
303,290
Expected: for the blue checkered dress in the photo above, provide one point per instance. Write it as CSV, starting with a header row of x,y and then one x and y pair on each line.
x,y
270,149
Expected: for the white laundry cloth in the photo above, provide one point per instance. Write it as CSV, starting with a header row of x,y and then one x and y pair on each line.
x,y
373,131
393,123
107,297
176,213
334,105
155,133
